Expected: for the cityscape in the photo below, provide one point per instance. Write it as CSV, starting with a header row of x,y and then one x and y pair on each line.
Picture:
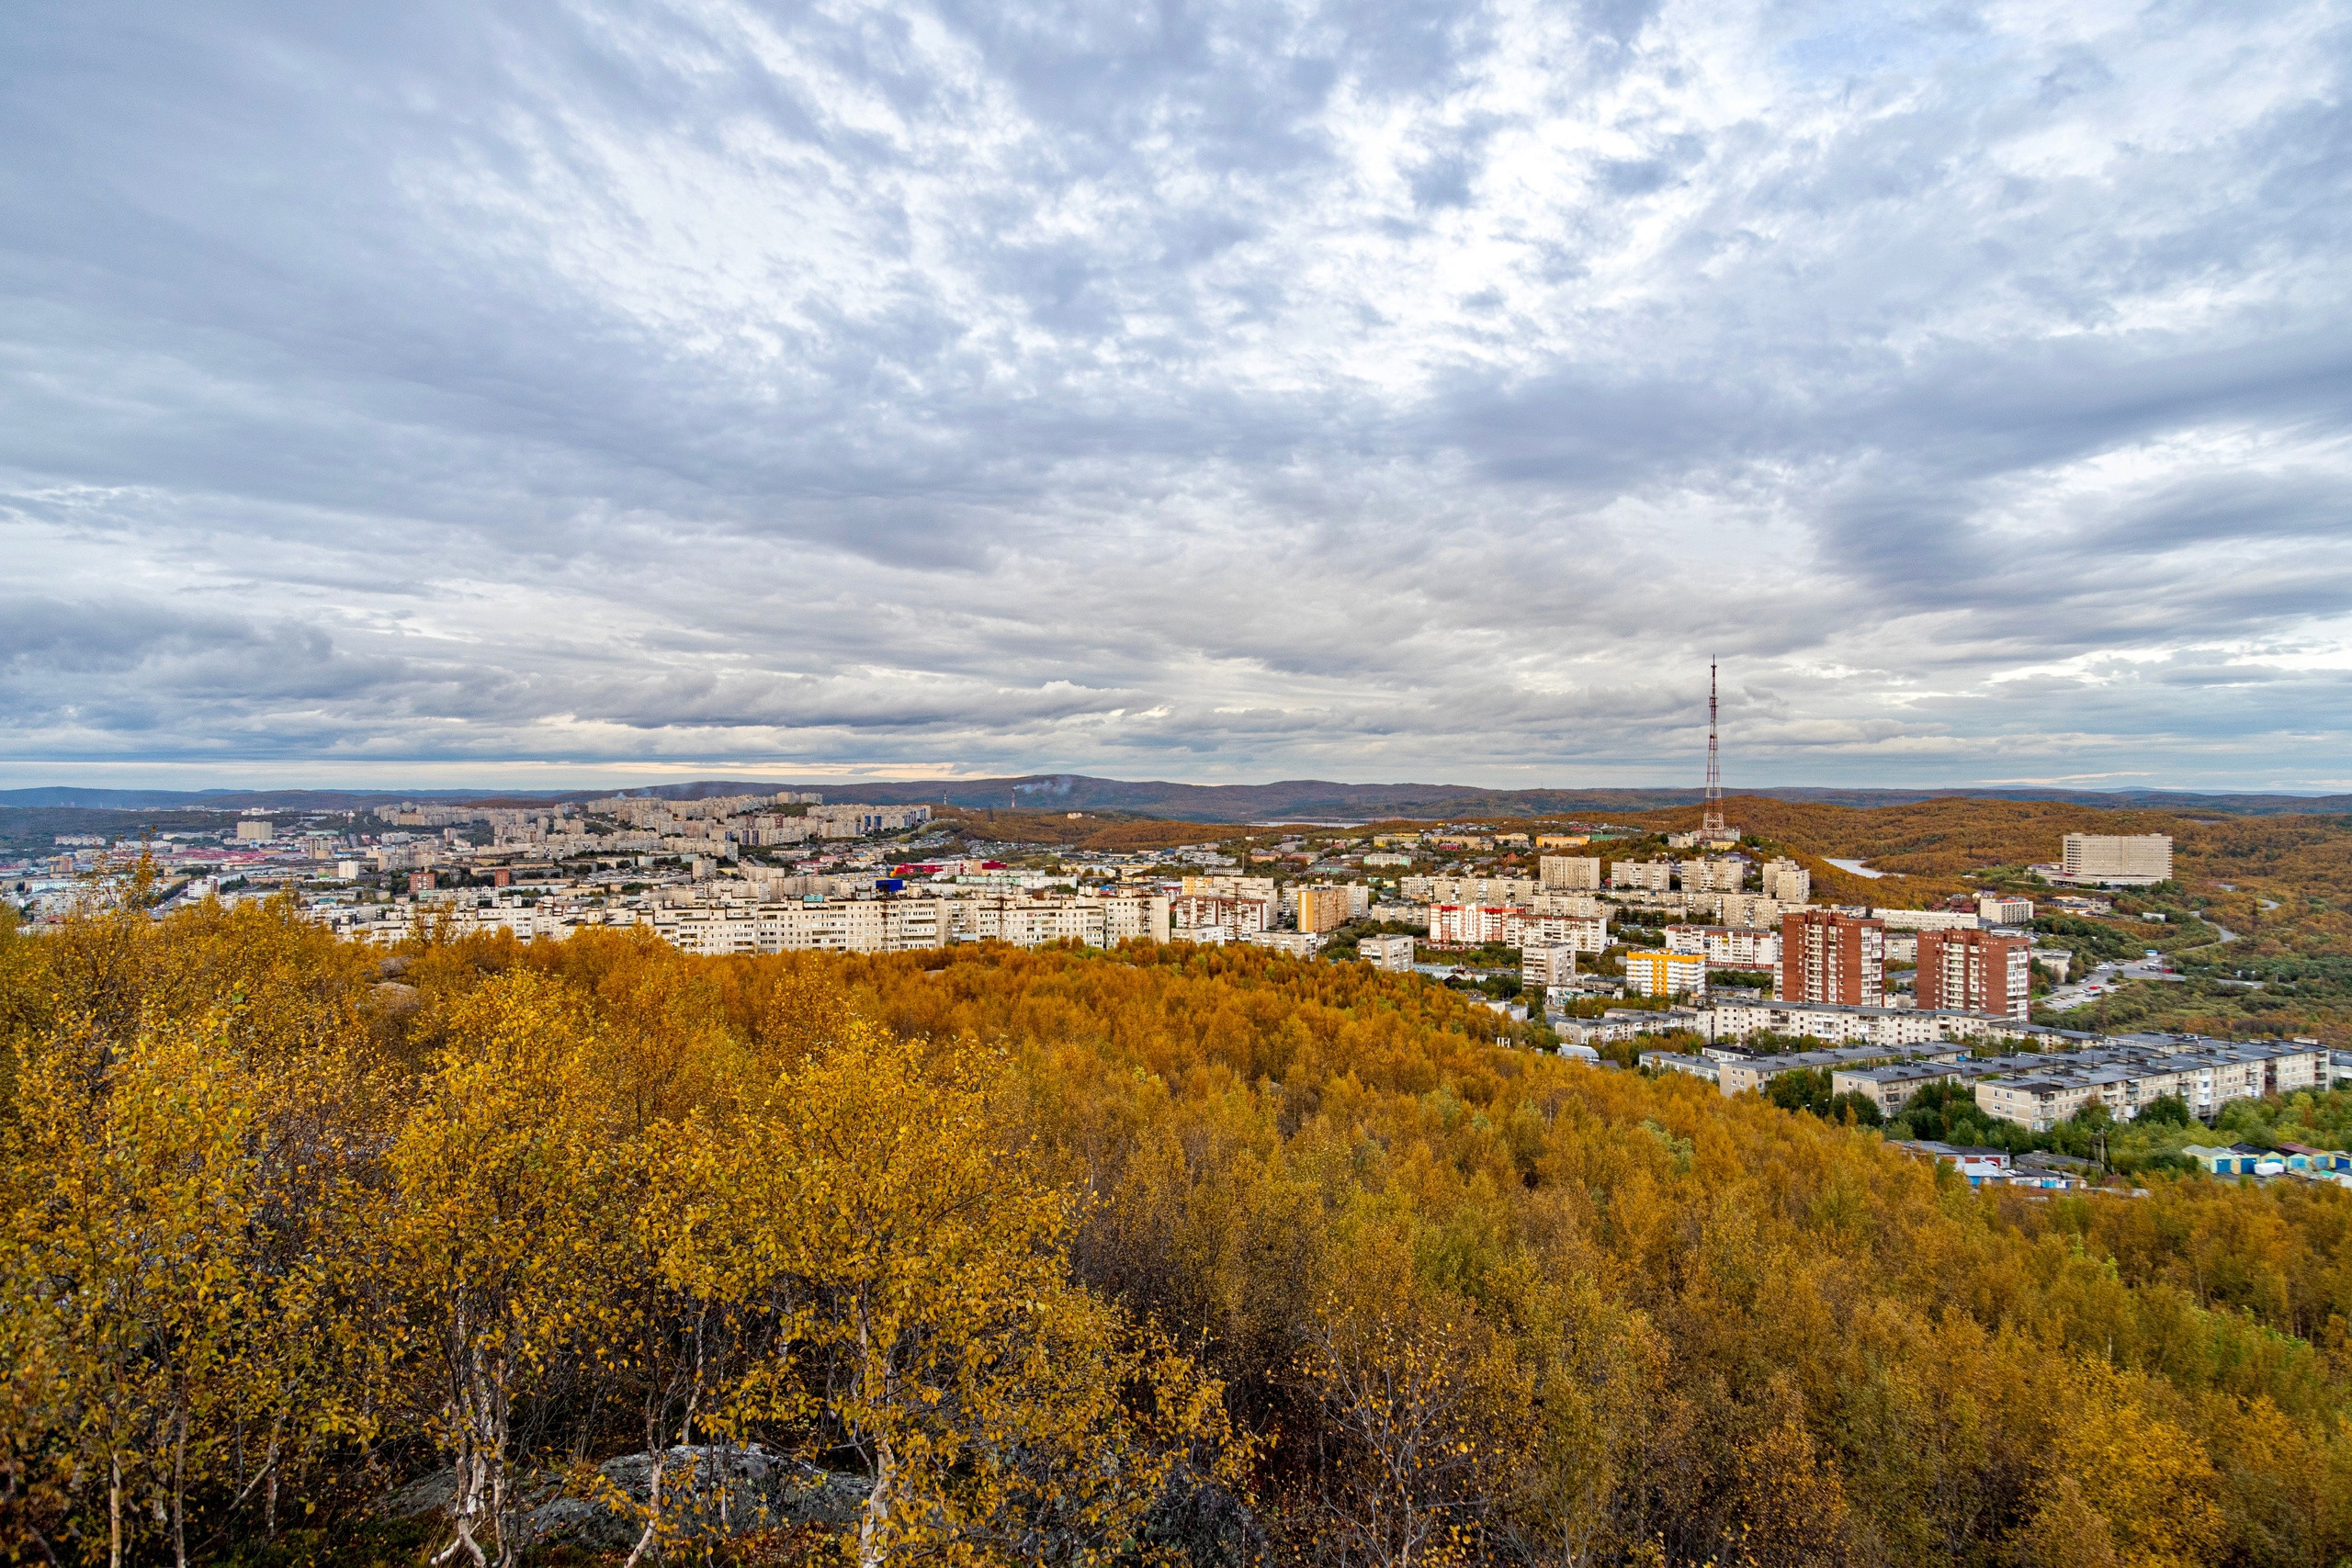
x,y
1215,784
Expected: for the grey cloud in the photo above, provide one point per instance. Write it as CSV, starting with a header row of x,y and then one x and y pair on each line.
x,y
1227,386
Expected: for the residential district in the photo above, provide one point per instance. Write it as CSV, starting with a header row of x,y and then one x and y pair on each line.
x,y
1897,1000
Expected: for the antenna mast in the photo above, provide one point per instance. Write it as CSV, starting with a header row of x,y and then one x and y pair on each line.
x,y
1710,818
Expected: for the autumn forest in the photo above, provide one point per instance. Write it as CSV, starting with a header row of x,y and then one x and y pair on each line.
x,y
1161,1255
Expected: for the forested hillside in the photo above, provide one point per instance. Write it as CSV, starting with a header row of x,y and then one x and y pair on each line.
x,y
1202,1254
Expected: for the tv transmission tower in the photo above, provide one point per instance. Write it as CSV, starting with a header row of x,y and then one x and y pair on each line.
x,y
1710,819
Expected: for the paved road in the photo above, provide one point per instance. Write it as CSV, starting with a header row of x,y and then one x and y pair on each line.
x,y
2107,976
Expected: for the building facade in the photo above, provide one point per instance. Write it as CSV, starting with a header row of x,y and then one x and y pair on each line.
x,y
1574,874
2122,860
1830,957
1975,972
1663,974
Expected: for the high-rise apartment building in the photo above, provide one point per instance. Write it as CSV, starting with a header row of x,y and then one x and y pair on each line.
x,y
1666,974
1542,967
1787,881
1323,908
1829,957
1577,873
2125,860
1712,875
1962,971
1642,876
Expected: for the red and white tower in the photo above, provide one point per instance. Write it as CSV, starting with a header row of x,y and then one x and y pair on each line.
x,y
1710,820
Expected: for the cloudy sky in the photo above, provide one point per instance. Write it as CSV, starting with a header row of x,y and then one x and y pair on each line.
x,y
484,393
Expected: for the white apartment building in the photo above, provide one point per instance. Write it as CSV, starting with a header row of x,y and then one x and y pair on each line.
x,y
1927,919
2000,909
1727,947
2118,860
1393,954
850,925
1035,922
1293,944
1642,876
1579,933
1856,1025
1516,891
1575,874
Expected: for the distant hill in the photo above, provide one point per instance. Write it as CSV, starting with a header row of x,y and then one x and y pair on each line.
x,y
1289,800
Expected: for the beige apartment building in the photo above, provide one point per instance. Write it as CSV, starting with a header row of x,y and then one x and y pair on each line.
x,y
2118,860
1575,874
1542,966
1712,875
1642,876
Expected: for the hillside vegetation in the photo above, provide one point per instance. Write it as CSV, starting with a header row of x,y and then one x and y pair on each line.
x,y
1180,1254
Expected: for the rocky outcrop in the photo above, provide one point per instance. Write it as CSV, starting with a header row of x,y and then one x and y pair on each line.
x,y
705,1491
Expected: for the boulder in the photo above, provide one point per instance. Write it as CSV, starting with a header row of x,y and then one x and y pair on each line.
x,y
705,1491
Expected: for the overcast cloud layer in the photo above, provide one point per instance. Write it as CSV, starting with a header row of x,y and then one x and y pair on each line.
x,y
471,392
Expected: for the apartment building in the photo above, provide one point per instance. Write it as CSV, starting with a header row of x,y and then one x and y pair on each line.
x,y
2126,1077
1469,925
1034,922
1393,954
1585,905
1584,933
1976,971
1575,874
856,821
1291,944
1737,1072
1328,908
1195,911
1642,876
1831,957
1259,889
1787,881
1927,919
1878,1026
1712,875
1542,966
1752,910
1728,947
2001,909
849,925
1663,974
2132,860
1516,891
1889,1087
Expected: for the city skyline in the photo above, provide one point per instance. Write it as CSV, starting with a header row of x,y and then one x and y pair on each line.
x,y
467,397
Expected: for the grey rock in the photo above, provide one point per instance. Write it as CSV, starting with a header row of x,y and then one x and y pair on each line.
x,y
705,1491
